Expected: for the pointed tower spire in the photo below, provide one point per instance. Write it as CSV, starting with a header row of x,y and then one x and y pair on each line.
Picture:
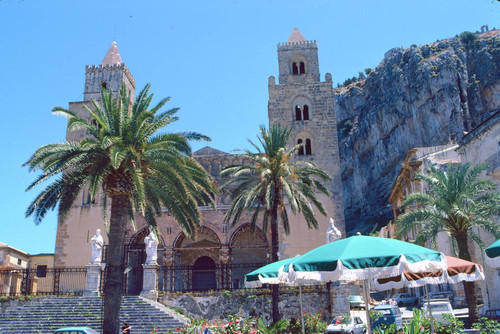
x,y
296,37
113,56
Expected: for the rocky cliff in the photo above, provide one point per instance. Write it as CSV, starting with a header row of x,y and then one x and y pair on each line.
x,y
420,96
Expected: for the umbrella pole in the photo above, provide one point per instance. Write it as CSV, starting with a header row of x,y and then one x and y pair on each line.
x,y
429,307
367,307
301,310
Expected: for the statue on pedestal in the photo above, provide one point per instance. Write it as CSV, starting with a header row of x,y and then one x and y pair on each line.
x,y
151,242
333,233
97,242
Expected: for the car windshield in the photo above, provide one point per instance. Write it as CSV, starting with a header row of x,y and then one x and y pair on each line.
x,y
439,308
356,298
339,321
387,311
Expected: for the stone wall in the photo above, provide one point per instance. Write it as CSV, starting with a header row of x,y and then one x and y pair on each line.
x,y
257,303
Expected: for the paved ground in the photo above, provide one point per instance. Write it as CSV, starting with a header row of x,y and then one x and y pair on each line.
x,y
407,313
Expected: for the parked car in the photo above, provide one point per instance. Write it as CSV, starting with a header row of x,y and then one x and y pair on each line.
x,y
390,314
439,307
436,296
76,330
355,326
405,299
493,314
357,302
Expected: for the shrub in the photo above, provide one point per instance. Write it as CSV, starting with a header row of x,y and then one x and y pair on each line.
x,y
314,323
467,37
487,326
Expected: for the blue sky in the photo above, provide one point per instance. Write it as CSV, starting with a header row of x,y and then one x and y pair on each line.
x,y
212,57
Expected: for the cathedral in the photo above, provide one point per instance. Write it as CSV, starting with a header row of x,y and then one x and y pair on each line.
x,y
221,254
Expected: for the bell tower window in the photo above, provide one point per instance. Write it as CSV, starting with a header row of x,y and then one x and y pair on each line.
x,y
295,68
301,147
298,113
302,68
301,112
306,113
308,147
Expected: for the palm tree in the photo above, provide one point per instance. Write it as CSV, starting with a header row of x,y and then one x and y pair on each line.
x,y
138,169
270,182
457,202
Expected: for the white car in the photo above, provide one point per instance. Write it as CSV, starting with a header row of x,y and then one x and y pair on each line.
x,y
439,307
355,326
405,299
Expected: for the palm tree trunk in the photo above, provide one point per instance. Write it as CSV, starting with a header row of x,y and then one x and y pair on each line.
x,y
274,257
114,259
470,288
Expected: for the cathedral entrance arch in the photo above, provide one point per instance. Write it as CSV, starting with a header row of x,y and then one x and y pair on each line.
x,y
194,260
204,274
249,249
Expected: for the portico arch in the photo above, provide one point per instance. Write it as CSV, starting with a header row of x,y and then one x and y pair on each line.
x,y
248,249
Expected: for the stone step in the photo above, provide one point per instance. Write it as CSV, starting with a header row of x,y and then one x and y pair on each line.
x,y
48,314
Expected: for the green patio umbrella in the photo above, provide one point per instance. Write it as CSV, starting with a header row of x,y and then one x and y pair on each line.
x,y
268,274
493,255
362,258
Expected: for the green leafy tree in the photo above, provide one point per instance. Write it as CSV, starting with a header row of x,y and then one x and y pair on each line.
x,y
137,168
271,180
458,201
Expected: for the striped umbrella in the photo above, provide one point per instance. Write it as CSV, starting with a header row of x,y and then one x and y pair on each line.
x,y
458,271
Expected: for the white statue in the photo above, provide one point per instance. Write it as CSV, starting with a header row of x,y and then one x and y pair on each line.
x,y
97,244
333,233
151,242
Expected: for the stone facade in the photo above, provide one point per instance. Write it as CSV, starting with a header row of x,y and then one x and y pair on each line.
x,y
229,251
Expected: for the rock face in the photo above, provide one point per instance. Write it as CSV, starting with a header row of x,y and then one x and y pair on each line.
x,y
421,96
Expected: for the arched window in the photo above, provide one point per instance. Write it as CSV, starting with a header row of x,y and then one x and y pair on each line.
x,y
104,85
302,68
295,69
298,113
301,148
308,147
306,112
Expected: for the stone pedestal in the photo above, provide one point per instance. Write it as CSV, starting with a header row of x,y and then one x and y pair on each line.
x,y
16,279
34,286
150,281
339,299
93,284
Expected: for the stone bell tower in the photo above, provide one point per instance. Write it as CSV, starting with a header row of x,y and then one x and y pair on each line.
x,y
302,102
73,235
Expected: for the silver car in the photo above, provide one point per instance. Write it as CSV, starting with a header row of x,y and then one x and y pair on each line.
x,y
355,326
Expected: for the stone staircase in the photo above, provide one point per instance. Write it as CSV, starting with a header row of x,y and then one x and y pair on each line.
x,y
50,313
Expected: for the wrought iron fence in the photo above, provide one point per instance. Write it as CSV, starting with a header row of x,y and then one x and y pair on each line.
x,y
176,278
185,278
50,281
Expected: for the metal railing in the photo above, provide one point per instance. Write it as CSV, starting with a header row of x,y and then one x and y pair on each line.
x,y
51,281
182,278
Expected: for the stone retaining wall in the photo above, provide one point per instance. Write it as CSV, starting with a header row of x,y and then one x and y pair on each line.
x,y
257,303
